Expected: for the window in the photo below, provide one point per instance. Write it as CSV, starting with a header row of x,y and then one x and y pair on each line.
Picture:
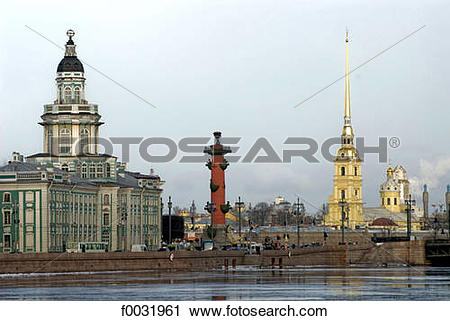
x,y
382,201
7,241
343,194
77,95
6,217
388,201
356,192
99,173
67,95
50,141
106,199
356,171
6,197
108,170
65,146
84,141
105,219
65,167
92,170
84,171
342,171
395,200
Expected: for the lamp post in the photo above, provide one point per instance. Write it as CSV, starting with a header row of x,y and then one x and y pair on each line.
x,y
448,220
300,208
15,228
193,209
239,205
169,206
343,205
409,204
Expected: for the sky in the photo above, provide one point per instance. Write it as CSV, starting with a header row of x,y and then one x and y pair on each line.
x,y
240,67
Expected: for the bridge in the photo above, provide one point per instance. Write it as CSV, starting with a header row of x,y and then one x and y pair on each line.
x,y
438,252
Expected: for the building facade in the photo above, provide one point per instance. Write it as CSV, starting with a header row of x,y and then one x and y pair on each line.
x,y
70,192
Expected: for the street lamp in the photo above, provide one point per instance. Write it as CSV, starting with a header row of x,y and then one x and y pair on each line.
x,y
15,227
343,204
169,206
409,204
300,209
239,205
192,210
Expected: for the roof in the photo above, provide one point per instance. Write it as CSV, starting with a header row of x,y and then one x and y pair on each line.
x,y
69,64
20,167
372,213
382,221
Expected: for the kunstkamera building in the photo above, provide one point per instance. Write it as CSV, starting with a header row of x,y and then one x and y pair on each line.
x,y
70,192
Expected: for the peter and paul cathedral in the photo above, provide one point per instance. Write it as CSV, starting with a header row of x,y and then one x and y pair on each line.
x,y
347,180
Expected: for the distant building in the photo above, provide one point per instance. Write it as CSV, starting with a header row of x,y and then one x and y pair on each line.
x,y
70,192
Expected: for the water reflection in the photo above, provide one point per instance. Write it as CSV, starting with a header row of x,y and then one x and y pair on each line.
x,y
243,283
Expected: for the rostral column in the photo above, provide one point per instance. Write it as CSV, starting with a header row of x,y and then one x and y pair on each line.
x,y
218,164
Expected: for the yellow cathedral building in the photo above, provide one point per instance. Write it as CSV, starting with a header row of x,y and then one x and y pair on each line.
x,y
345,205
347,190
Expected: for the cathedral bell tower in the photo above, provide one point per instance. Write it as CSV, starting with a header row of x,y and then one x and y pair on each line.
x,y
347,170
71,124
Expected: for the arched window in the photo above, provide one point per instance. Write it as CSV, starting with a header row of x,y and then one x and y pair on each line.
x,y
343,194
99,171
92,170
395,200
84,171
64,142
77,95
342,171
84,141
6,197
65,167
108,170
106,199
356,171
50,141
382,201
388,201
67,95
6,217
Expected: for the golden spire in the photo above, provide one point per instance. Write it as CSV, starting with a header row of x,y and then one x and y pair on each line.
x,y
347,83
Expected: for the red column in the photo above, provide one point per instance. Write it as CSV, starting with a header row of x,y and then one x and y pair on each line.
x,y
217,164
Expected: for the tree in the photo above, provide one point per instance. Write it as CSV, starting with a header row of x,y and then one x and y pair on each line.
x,y
260,214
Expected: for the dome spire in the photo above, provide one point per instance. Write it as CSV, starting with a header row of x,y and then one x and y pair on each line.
x,y
70,45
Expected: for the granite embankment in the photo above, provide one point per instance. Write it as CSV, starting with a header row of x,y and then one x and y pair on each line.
x,y
398,253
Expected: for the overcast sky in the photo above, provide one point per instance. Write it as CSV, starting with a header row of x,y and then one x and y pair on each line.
x,y
240,67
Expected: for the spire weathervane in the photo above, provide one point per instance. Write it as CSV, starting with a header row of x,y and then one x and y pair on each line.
x,y
70,45
70,33
347,117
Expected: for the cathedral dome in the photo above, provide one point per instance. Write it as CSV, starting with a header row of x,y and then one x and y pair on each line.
x,y
70,64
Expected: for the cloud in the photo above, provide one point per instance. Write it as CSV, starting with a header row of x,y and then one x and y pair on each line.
x,y
431,173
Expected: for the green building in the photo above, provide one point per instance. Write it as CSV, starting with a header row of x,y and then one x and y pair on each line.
x,y
70,192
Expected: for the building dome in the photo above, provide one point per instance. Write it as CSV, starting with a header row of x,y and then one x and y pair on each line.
x,y
70,64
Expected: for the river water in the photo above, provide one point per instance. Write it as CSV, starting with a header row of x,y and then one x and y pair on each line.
x,y
244,283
